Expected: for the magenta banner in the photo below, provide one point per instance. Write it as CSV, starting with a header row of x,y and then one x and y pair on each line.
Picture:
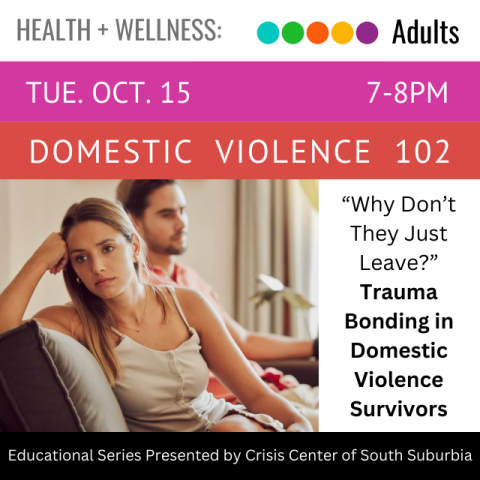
x,y
239,91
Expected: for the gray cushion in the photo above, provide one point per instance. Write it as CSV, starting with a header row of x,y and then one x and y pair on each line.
x,y
51,383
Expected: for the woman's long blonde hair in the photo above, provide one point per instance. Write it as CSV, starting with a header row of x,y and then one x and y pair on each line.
x,y
94,314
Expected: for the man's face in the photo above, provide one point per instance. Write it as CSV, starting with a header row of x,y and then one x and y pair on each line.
x,y
165,223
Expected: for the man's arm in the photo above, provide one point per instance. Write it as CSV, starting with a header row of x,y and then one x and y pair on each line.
x,y
263,346
255,346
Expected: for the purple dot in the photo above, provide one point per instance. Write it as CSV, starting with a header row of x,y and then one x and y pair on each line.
x,y
367,32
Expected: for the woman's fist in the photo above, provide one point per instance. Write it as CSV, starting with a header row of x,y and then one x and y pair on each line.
x,y
53,253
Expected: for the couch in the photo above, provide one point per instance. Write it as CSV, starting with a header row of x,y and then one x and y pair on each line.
x,y
51,383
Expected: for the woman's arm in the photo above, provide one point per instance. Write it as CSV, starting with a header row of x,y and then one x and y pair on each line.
x,y
53,256
228,363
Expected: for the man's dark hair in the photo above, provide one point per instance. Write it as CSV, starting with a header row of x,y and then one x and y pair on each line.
x,y
133,194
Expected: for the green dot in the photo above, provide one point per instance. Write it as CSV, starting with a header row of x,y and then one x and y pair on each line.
x,y
292,32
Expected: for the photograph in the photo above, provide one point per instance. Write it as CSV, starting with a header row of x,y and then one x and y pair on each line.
x,y
159,305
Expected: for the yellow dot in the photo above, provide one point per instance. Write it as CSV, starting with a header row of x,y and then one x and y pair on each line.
x,y
342,32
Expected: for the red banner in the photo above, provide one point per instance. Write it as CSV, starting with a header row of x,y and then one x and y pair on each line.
x,y
330,150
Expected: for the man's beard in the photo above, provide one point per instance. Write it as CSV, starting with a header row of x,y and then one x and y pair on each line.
x,y
170,250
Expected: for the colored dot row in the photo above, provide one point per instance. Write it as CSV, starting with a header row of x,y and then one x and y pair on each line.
x,y
317,33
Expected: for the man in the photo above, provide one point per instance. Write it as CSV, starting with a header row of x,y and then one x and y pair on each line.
x,y
158,208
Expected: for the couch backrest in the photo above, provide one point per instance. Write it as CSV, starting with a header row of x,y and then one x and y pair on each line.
x,y
50,382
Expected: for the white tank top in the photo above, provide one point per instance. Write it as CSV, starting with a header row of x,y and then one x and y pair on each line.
x,y
166,391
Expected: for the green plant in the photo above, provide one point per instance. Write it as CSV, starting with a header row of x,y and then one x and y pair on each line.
x,y
272,287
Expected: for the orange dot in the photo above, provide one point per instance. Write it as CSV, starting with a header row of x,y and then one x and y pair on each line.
x,y
342,32
317,33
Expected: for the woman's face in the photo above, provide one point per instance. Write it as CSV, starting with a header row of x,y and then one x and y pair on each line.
x,y
102,258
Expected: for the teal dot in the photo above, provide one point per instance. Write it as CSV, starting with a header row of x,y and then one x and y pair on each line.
x,y
268,33
293,32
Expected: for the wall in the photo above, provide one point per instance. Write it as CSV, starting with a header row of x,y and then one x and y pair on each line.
x,y
4,234
211,250
31,209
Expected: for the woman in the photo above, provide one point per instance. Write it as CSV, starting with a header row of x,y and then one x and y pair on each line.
x,y
147,339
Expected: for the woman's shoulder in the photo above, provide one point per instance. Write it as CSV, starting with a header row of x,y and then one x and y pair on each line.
x,y
59,313
63,318
185,296
188,296
197,309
